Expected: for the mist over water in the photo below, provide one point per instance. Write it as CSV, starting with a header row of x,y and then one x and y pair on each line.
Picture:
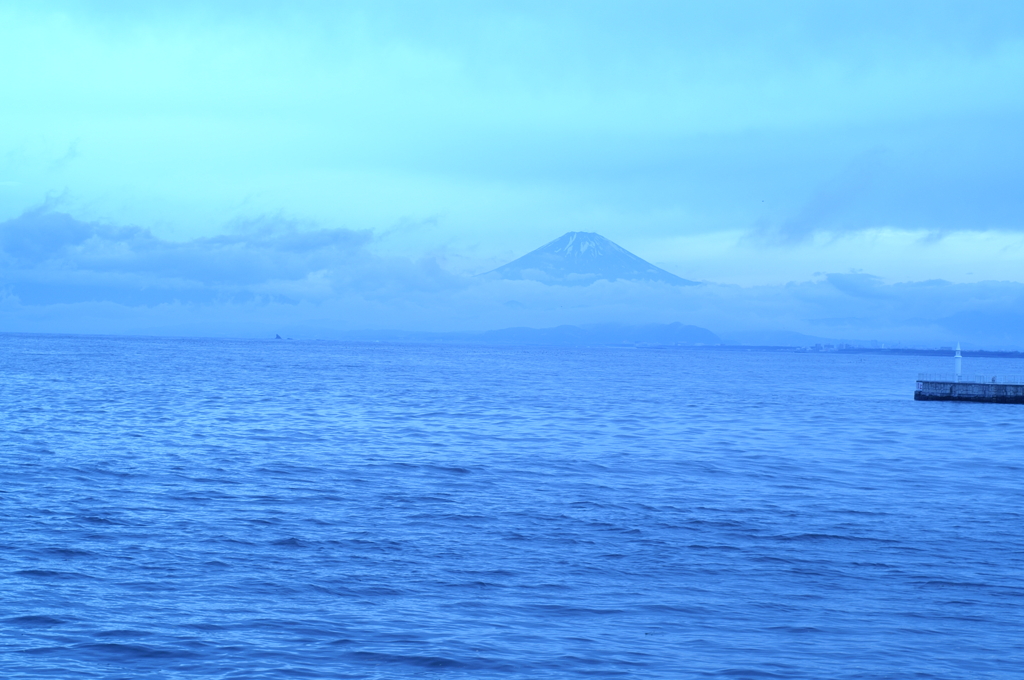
x,y
245,509
59,274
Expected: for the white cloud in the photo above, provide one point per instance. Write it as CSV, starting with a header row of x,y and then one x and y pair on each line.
x,y
516,121
63,275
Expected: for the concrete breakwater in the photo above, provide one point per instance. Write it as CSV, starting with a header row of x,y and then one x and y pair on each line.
x,y
946,390
958,387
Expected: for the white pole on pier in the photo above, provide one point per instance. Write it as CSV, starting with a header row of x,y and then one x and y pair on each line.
x,y
957,362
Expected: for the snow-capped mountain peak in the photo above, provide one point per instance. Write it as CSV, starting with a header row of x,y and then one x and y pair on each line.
x,y
580,258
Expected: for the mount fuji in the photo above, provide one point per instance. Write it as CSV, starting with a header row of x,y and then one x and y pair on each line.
x,y
579,258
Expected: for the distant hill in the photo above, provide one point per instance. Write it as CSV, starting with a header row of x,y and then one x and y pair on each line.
x,y
604,334
579,258
672,334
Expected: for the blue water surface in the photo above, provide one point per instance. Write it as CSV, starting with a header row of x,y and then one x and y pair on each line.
x,y
177,508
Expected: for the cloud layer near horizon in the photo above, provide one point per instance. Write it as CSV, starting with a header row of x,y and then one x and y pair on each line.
x,y
497,126
63,275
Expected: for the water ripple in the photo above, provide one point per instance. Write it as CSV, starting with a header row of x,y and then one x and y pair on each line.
x,y
240,509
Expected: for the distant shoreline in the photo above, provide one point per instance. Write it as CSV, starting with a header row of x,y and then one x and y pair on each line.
x,y
481,339
997,354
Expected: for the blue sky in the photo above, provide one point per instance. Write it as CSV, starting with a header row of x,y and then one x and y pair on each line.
x,y
747,144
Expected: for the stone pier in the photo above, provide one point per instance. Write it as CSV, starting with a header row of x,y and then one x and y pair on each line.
x,y
997,393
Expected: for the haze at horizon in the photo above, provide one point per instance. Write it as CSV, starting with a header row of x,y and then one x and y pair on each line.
x,y
360,160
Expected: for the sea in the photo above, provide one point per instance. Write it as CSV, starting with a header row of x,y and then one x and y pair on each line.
x,y
213,508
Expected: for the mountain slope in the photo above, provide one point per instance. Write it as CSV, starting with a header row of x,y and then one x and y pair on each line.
x,y
579,258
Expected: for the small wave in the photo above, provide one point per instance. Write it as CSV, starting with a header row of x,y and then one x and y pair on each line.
x,y
749,673
118,651
830,537
50,574
409,660
35,620
68,552
289,542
